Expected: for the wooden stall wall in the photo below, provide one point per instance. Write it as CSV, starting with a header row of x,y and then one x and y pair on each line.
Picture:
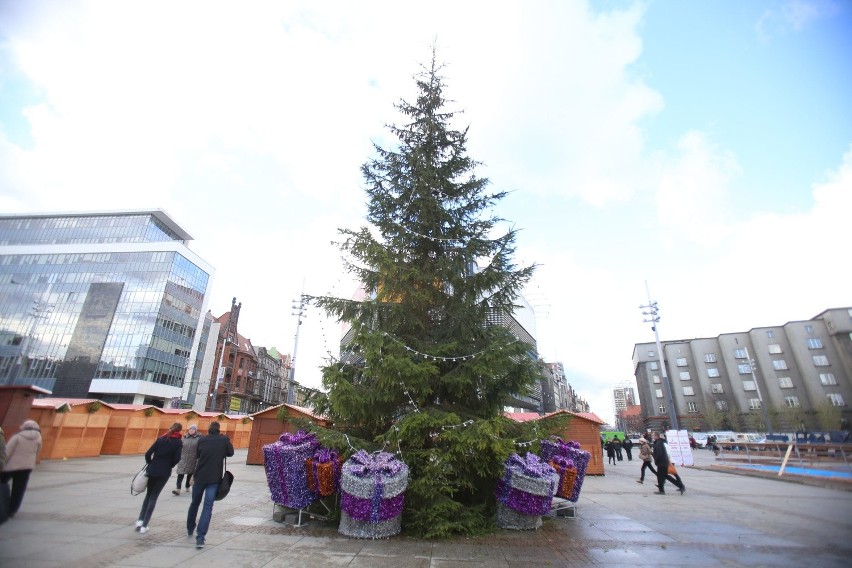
x,y
78,433
266,428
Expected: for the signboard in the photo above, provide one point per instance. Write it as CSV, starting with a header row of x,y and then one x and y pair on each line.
x,y
235,405
678,442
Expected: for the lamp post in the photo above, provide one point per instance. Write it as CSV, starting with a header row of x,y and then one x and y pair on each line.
x,y
653,317
300,313
751,363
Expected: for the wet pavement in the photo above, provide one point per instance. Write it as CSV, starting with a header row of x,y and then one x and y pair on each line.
x,y
80,513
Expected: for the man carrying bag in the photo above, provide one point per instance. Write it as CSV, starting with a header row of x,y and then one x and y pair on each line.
x,y
212,451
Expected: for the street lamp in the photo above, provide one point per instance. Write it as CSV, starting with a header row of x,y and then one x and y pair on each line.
x,y
751,364
653,317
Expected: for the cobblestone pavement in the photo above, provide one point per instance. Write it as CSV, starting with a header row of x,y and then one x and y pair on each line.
x,y
80,513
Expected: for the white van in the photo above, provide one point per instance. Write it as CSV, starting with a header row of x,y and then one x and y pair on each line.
x,y
724,435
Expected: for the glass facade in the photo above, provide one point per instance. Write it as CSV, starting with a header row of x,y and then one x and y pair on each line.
x,y
67,318
61,230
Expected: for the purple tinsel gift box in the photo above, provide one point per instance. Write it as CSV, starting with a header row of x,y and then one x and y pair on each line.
x,y
373,486
284,462
528,485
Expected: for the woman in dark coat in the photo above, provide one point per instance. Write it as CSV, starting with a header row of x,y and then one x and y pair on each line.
x,y
610,452
161,457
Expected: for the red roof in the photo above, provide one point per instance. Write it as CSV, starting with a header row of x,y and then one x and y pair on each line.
x,y
527,416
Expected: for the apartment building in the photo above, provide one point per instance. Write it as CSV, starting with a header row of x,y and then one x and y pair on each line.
x,y
796,375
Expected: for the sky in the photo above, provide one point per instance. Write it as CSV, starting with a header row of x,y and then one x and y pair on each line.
x,y
699,152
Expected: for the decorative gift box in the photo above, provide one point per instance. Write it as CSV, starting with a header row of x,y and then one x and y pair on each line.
x,y
570,450
567,475
285,469
527,488
372,488
323,472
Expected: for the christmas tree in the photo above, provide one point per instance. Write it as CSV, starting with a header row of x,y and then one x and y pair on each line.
x,y
429,364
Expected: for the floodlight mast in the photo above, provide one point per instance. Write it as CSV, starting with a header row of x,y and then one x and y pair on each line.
x,y
652,316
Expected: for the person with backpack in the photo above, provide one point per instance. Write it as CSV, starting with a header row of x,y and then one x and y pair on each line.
x,y
616,445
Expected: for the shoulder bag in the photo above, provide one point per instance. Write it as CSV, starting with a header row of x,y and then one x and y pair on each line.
x,y
225,483
140,481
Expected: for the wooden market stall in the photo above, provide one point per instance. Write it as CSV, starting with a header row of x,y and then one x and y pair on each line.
x,y
583,427
266,427
15,404
71,427
132,429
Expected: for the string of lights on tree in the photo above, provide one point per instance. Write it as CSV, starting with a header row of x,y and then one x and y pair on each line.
x,y
425,356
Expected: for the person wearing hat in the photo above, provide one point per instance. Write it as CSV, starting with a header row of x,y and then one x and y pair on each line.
x,y
646,456
188,459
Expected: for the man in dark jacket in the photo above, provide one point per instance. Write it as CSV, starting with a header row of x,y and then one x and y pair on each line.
x,y
212,451
628,448
661,460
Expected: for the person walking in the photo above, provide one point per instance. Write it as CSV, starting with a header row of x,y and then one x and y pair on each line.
x,y
661,460
616,445
188,458
646,457
628,448
21,453
610,452
161,457
211,451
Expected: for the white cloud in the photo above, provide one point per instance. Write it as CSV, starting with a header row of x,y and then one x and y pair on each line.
x,y
693,199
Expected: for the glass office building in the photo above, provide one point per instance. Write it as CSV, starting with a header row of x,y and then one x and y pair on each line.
x,y
101,305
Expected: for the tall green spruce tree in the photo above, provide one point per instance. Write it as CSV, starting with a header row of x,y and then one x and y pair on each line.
x,y
430,366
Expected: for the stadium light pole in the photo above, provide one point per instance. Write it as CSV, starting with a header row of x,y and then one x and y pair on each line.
x,y
652,316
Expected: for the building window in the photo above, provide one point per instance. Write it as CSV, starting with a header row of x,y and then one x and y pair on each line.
x,y
827,379
681,361
653,365
709,357
659,393
820,360
722,405
775,348
814,343
809,329
785,382
753,403
749,386
779,365
740,353
712,372
770,334
836,399
656,379
744,368
684,375
688,391
791,401
652,353
717,388
692,407
662,409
